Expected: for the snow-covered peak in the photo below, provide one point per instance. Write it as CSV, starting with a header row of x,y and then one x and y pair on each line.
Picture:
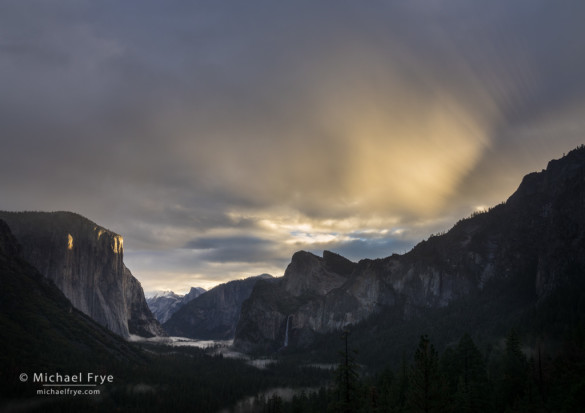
x,y
160,293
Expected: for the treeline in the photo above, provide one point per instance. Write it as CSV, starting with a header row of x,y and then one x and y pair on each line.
x,y
462,379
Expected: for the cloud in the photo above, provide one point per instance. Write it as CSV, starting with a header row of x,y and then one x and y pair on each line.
x,y
242,249
256,128
181,269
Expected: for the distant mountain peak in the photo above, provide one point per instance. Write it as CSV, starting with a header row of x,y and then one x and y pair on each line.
x,y
159,293
163,304
199,290
214,314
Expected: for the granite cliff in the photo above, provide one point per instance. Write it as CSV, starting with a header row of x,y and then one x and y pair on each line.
x,y
85,261
39,327
315,295
523,249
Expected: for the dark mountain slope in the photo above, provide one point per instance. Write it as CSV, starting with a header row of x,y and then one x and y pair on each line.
x,y
511,261
215,313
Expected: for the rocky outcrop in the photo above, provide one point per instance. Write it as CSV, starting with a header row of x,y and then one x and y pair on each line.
x,y
214,314
163,305
193,293
85,261
526,248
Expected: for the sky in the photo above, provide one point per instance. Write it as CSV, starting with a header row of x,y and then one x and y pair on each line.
x,y
219,137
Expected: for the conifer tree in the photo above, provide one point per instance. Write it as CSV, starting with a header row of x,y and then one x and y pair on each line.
x,y
514,374
472,394
346,379
384,385
427,388
274,404
399,388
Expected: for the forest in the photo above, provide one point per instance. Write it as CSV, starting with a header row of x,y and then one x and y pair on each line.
x,y
511,377
462,379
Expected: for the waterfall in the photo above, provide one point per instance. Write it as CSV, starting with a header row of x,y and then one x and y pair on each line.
x,y
286,331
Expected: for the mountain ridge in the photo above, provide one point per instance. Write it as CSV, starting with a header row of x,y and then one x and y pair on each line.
x,y
535,240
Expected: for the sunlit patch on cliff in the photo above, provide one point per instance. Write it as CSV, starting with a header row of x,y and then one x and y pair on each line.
x,y
69,242
118,244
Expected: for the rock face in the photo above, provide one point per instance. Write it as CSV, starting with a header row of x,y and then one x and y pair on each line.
x,y
85,261
164,305
39,326
214,314
534,242
315,295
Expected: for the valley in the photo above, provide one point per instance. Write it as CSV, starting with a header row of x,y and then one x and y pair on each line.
x,y
502,288
292,206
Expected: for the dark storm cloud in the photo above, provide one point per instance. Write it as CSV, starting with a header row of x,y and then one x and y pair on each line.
x,y
254,128
235,249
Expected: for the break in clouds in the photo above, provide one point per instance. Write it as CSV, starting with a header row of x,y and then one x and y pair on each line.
x,y
219,139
